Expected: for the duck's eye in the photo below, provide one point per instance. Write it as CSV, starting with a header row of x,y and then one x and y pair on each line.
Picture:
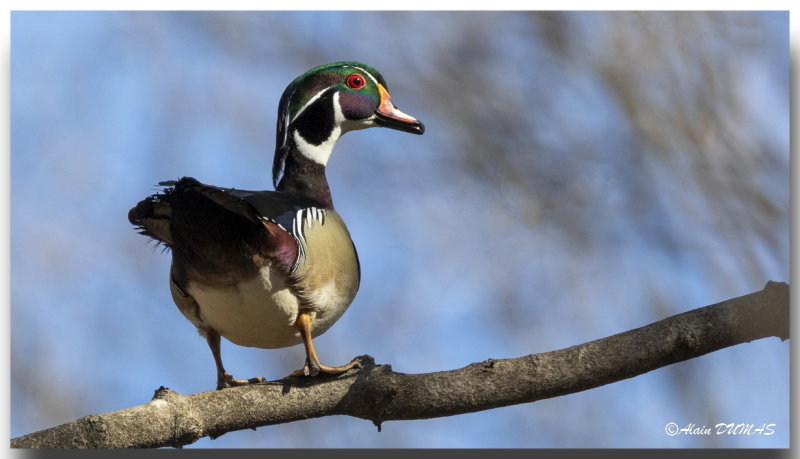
x,y
356,81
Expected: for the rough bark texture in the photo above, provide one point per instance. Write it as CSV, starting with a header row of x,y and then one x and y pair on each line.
x,y
376,393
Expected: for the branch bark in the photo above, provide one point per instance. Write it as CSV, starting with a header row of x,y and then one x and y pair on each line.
x,y
376,393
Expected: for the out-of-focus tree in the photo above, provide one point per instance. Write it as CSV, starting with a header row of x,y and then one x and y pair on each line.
x,y
582,173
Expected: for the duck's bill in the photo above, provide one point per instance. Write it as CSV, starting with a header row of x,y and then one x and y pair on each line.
x,y
400,121
387,115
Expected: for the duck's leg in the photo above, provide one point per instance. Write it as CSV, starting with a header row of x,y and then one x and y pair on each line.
x,y
224,379
313,366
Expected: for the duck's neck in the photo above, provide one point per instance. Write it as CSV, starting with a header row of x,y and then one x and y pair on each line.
x,y
309,144
305,177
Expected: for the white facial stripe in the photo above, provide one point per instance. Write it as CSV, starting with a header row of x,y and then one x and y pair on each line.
x,y
286,122
364,71
310,101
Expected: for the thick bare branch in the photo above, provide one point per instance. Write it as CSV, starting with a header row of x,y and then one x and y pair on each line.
x,y
377,393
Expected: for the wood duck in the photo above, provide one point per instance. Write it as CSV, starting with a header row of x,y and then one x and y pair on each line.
x,y
272,269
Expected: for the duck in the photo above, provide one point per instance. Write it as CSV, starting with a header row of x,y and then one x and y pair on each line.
x,y
275,268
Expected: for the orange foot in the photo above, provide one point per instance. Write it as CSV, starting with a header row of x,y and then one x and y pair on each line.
x,y
227,381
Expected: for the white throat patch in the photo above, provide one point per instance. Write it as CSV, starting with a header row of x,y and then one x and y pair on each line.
x,y
322,152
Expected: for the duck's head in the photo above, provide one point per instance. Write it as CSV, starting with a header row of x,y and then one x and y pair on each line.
x,y
327,101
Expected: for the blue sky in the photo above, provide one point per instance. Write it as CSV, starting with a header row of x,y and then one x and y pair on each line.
x,y
566,227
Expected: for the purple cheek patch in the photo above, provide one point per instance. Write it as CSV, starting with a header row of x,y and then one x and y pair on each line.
x,y
357,106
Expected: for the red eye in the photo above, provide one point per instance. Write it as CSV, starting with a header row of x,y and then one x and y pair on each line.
x,y
356,81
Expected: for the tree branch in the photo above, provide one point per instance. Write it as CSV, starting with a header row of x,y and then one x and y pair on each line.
x,y
378,394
